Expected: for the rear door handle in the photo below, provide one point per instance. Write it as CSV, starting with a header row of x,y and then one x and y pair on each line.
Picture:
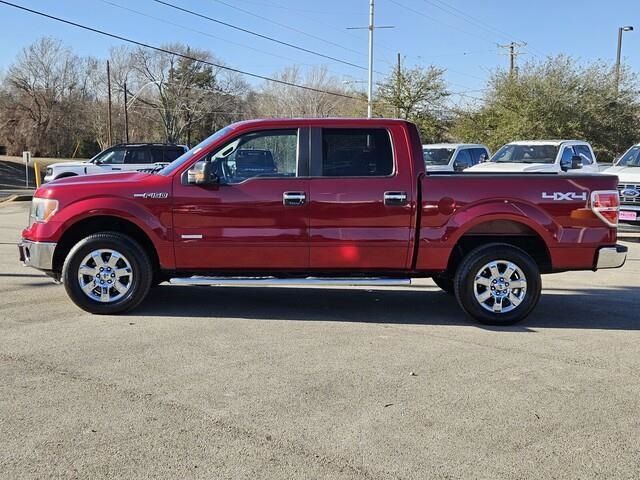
x,y
395,199
294,199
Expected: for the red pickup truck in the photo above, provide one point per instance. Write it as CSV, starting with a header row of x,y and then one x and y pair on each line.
x,y
320,201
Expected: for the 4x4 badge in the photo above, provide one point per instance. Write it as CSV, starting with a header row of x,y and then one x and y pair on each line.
x,y
154,195
568,196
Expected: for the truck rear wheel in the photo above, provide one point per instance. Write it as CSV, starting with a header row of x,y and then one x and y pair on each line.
x,y
498,284
107,273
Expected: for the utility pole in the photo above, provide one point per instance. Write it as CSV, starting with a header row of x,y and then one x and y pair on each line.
x,y
371,28
398,84
628,28
126,115
513,54
109,129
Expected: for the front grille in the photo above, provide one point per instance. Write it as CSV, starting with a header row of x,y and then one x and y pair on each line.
x,y
629,200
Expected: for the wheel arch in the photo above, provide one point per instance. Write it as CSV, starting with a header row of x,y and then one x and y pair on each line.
x,y
506,231
102,223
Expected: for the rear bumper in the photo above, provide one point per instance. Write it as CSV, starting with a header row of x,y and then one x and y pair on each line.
x,y
37,254
611,257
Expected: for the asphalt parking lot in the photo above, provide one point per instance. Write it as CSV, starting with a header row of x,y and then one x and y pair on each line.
x,y
317,383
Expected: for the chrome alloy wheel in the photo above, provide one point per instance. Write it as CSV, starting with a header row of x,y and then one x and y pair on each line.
x,y
105,275
500,286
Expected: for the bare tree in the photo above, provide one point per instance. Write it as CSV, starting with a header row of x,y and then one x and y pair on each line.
x,y
278,100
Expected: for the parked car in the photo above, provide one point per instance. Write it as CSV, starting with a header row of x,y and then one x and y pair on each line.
x,y
542,156
453,157
348,203
119,158
627,168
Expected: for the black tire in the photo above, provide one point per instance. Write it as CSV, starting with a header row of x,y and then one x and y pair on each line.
x,y
142,272
445,283
466,287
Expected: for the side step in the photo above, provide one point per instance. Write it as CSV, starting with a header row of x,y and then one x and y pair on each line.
x,y
309,281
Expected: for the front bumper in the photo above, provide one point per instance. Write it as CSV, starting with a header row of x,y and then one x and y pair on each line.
x,y
611,257
37,254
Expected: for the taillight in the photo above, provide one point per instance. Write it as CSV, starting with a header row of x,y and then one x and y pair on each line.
x,y
606,205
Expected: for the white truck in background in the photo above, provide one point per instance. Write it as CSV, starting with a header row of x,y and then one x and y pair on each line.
x,y
541,156
453,157
627,168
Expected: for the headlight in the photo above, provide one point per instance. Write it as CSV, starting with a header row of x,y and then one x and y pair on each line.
x,y
42,209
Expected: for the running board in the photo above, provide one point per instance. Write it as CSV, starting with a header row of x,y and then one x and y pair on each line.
x,y
309,281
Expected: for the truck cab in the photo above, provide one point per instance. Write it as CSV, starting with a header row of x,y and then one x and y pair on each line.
x,y
542,156
453,157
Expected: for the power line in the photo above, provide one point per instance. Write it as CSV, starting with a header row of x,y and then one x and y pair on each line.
x,y
187,57
434,19
472,20
451,10
288,27
259,35
206,34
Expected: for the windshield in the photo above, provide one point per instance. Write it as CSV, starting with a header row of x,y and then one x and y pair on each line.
x,y
437,156
178,162
631,158
526,154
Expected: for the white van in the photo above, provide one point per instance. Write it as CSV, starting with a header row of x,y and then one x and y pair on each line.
x,y
453,157
541,156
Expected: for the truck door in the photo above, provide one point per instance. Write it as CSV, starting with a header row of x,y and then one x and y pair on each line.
x,y
361,200
257,217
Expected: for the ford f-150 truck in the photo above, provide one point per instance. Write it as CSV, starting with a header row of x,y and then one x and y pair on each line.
x,y
330,201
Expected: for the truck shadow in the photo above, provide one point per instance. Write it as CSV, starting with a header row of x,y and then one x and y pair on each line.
x,y
592,308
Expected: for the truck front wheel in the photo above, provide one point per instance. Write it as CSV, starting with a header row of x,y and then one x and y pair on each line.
x,y
498,284
107,273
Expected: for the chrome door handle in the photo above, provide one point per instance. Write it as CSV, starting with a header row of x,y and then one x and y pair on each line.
x,y
294,199
395,199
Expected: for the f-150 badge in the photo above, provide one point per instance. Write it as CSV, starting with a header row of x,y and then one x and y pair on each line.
x,y
153,195
567,196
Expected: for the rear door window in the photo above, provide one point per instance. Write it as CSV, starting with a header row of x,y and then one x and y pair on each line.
x,y
476,154
356,152
585,154
567,154
157,155
136,156
170,154
464,158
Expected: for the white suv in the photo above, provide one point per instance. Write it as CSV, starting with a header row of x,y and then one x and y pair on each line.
x,y
119,158
541,156
453,157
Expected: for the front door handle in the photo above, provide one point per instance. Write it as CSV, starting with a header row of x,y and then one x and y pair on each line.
x,y
294,199
395,199
116,169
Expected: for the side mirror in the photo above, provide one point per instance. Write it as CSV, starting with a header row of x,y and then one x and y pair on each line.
x,y
202,173
573,163
483,158
460,165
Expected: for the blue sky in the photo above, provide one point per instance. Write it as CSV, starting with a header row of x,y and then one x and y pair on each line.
x,y
425,32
